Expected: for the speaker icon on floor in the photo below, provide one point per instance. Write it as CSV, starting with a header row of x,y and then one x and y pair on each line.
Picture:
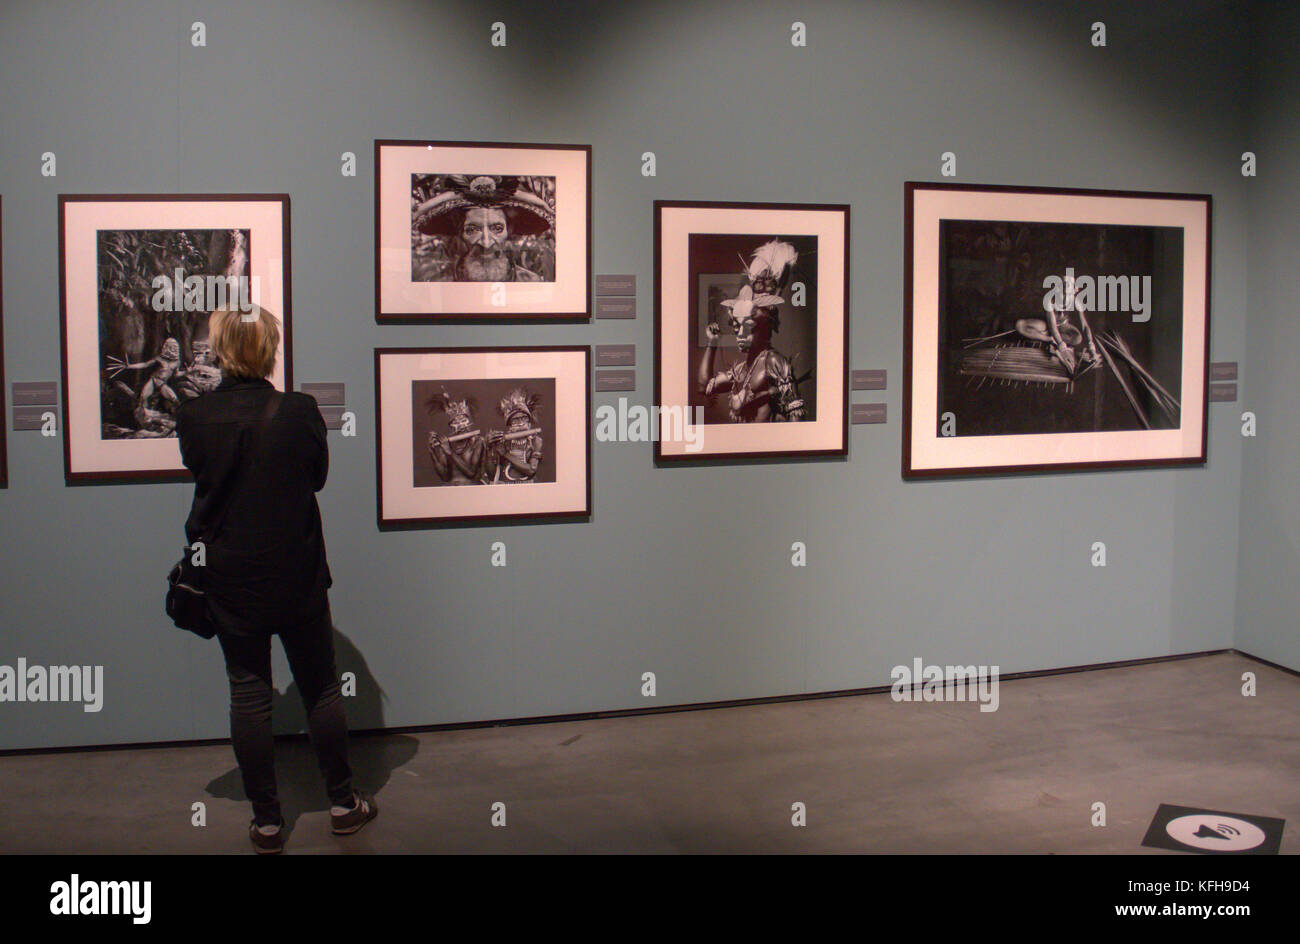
x,y
1188,829
1211,831
1222,831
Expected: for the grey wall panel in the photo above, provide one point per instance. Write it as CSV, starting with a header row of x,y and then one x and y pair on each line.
x,y
1268,601
682,571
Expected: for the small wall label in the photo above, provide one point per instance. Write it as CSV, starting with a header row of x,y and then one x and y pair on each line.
x,y
616,285
326,394
611,380
867,413
40,393
869,379
332,415
615,355
30,417
616,307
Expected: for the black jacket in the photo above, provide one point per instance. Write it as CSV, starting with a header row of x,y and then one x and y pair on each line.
x,y
267,564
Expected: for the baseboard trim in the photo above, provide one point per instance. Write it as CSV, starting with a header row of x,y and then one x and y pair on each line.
x,y
638,712
1272,665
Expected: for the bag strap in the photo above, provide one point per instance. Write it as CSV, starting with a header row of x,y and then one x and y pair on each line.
x,y
249,447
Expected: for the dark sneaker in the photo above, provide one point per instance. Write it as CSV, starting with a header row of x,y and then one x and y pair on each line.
x,y
266,843
350,821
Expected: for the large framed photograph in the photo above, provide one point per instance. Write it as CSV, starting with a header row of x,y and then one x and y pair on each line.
x,y
1053,330
140,274
751,330
476,434
469,231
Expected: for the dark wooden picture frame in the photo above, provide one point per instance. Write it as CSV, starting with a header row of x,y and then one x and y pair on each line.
x,y
388,523
840,373
1194,267
460,314
285,315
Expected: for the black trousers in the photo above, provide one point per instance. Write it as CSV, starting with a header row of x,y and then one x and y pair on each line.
x,y
309,645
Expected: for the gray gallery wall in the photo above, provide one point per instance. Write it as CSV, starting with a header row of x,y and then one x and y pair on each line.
x,y
682,571
1268,590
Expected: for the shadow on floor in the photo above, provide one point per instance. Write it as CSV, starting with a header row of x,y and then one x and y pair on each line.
x,y
373,757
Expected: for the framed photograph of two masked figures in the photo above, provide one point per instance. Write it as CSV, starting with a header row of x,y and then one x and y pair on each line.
x,y
475,434
469,231
1053,330
140,275
751,330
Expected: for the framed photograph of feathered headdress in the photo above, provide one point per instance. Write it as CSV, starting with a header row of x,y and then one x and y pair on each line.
x,y
1050,330
751,330
474,231
470,435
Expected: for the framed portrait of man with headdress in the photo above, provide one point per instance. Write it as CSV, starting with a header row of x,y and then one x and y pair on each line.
x,y
482,232
467,435
751,330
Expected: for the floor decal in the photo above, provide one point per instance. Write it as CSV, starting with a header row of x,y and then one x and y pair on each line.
x,y
1190,829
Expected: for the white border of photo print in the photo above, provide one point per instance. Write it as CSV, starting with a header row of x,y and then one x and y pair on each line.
x,y
927,452
398,298
87,455
401,502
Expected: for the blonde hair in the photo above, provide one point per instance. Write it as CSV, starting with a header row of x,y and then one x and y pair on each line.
x,y
245,343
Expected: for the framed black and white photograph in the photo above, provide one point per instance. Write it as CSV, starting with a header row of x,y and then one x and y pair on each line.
x,y
1053,330
140,274
468,231
751,330
468,435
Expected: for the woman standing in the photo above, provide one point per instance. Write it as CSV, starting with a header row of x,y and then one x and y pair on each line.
x,y
258,458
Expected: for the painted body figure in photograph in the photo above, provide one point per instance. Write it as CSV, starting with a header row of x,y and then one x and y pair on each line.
x,y
517,450
762,384
1059,327
153,316
465,454
458,456
482,228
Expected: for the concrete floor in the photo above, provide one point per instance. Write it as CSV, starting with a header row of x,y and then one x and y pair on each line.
x,y
875,775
